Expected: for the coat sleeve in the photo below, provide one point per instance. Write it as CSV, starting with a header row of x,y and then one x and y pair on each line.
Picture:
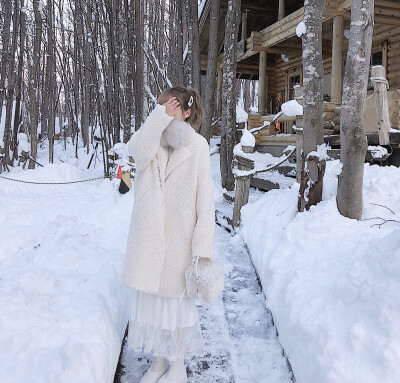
x,y
203,236
144,143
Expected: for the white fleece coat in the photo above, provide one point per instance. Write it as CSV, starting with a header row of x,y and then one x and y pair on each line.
x,y
173,214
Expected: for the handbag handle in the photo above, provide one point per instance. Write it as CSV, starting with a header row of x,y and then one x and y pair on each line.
x,y
195,267
195,261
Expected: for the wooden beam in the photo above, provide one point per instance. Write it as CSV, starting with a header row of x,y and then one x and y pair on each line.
x,y
286,28
387,11
244,25
392,20
387,3
262,82
281,9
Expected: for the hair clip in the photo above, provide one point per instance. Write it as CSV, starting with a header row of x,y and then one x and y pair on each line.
x,y
190,102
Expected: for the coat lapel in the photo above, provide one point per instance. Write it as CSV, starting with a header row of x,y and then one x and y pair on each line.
x,y
176,158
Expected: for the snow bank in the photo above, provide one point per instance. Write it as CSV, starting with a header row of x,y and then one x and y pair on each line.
x,y
332,283
241,114
292,108
63,303
247,139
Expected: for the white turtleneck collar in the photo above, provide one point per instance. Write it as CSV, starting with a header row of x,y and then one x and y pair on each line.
x,y
176,134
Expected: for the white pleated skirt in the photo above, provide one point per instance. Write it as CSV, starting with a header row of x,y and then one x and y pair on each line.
x,y
165,327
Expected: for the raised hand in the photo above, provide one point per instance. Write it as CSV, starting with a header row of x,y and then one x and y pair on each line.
x,y
172,106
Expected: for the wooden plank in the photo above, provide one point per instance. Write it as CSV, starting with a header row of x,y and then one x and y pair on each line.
x,y
264,185
386,11
389,4
373,139
383,19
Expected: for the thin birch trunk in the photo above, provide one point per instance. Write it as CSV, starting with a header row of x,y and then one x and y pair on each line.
x,y
5,42
11,84
139,64
194,40
51,77
209,102
228,124
129,69
18,87
33,85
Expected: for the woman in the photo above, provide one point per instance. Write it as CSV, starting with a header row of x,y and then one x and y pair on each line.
x,y
172,221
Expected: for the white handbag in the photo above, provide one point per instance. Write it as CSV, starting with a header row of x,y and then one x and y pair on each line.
x,y
204,279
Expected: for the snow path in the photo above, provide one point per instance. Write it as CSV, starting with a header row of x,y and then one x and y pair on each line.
x,y
63,304
241,344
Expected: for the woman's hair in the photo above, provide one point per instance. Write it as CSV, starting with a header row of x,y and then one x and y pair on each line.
x,y
183,95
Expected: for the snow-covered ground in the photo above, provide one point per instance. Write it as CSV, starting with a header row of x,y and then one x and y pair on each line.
x,y
332,283
63,304
241,344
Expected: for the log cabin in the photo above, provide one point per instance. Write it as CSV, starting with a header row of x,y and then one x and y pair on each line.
x,y
270,51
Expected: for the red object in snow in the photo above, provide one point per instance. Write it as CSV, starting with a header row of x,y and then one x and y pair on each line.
x,y
119,172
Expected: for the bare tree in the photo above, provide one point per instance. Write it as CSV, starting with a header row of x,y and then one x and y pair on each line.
x,y
353,141
209,101
228,124
5,42
313,166
33,84
129,69
194,41
51,68
139,57
11,83
18,86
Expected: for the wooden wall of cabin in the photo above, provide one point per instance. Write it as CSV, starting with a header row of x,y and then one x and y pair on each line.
x,y
393,58
385,52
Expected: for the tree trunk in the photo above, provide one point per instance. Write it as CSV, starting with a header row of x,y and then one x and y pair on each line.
x,y
139,64
209,102
5,42
194,41
228,124
129,69
179,45
51,77
18,87
33,85
353,141
313,125
10,85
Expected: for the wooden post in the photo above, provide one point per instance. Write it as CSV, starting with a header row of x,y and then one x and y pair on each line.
x,y
244,25
298,94
219,89
381,103
385,55
281,10
262,83
242,187
337,61
299,146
